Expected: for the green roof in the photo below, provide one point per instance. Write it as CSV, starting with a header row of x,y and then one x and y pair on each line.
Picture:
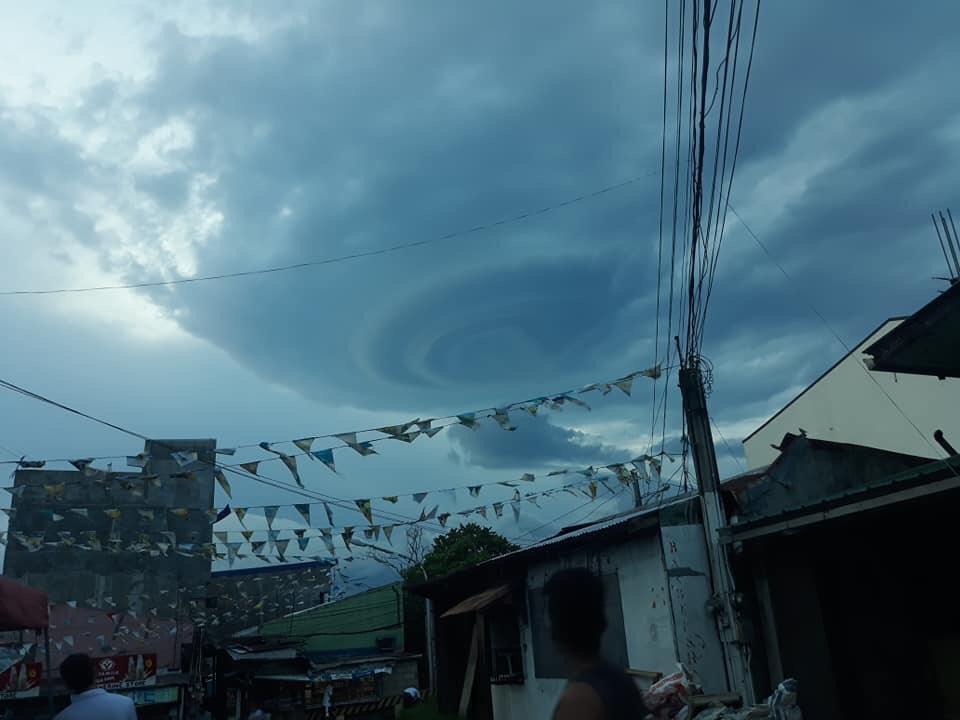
x,y
355,626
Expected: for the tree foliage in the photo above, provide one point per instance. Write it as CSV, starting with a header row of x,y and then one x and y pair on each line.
x,y
461,547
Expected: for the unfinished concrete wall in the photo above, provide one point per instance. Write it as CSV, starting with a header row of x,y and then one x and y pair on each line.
x,y
118,576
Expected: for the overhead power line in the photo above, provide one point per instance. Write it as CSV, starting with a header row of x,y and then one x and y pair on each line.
x,y
336,259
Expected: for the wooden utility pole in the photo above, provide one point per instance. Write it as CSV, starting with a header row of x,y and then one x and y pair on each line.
x,y
727,601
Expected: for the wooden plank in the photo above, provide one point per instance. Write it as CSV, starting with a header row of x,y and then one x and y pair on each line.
x,y
470,675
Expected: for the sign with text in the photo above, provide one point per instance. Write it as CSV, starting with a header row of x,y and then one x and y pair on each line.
x,y
125,671
20,681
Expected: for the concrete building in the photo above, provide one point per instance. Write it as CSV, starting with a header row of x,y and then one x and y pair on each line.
x,y
839,554
112,523
655,570
242,598
849,404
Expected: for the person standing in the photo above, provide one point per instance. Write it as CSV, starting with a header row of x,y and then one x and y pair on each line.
x,y
86,701
597,690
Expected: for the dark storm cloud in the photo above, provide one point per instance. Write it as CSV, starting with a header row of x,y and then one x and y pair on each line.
x,y
363,127
542,444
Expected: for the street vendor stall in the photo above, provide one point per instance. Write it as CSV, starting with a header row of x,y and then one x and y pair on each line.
x,y
22,608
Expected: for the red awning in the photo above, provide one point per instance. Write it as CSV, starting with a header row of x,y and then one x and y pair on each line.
x,y
21,607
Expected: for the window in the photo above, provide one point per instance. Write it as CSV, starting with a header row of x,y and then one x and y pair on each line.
x,y
506,651
548,662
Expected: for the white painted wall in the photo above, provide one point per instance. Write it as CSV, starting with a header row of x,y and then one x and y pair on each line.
x,y
646,620
847,406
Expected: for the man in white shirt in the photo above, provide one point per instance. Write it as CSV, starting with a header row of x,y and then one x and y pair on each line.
x,y
88,702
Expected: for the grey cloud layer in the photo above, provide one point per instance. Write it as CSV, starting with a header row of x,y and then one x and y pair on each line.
x,y
368,126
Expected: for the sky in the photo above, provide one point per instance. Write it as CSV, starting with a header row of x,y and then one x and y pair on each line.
x,y
147,141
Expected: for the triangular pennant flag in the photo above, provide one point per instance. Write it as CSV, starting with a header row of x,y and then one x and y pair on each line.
x,y
474,490
281,546
290,462
392,430
409,437
272,536
146,514
387,533
443,517
532,408
224,483
390,499
305,444
112,513
226,451
257,546
16,491
180,512
528,477
498,509
516,511
240,513
327,535
54,489
221,536
251,467
468,420
625,384
419,497
429,515
326,457
653,372
329,512
482,511
304,510
366,509
81,464
247,534
55,517
502,419
184,458
430,432
302,543
347,536
270,513
368,533
576,401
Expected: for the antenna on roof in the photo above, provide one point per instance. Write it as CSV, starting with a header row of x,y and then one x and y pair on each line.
x,y
948,241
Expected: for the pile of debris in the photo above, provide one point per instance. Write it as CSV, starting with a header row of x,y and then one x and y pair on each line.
x,y
679,697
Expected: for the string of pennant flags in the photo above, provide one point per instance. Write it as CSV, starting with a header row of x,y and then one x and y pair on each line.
x,y
405,432
55,491
225,548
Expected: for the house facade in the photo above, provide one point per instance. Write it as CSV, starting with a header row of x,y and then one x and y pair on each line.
x,y
495,655
851,404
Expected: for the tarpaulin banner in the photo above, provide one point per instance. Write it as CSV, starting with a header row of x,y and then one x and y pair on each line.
x,y
20,681
125,671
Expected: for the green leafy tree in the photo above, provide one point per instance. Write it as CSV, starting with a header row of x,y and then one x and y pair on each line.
x,y
461,547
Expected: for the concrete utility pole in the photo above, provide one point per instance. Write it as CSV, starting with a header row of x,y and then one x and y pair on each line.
x,y
708,480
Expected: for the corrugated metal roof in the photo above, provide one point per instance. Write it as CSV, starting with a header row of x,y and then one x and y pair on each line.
x,y
242,653
478,601
598,527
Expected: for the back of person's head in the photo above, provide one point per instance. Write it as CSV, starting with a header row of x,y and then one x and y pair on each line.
x,y
77,672
575,607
